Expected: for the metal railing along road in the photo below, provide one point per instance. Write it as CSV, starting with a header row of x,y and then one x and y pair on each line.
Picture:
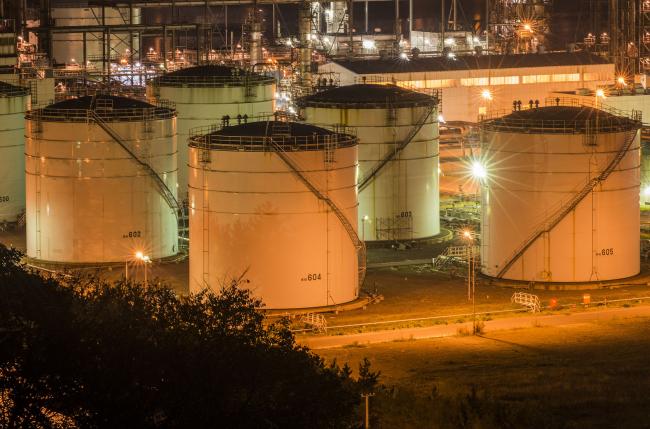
x,y
615,121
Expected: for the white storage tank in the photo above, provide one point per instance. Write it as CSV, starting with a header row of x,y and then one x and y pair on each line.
x,y
14,101
253,217
205,94
69,46
561,195
101,180
400,200
645,175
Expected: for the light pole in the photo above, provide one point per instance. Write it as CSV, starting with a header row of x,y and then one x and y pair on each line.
x,y
363,227
471,284
367,397
145,260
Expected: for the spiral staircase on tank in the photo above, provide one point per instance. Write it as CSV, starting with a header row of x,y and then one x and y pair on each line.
x,y
164,190
398,148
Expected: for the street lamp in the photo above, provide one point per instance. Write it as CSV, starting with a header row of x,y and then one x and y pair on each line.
x,y
363,227
145,260
471,284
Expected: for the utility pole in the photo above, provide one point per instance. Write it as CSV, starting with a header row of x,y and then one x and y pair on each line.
x,y
367,398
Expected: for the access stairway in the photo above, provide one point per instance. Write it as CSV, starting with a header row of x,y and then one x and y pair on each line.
x,y
359,245
165,192
392,154
555,218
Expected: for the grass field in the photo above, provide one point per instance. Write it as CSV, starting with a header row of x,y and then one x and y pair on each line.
x,y
594,375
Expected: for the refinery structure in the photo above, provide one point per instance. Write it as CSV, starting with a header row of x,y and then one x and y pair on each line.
x,y
274,144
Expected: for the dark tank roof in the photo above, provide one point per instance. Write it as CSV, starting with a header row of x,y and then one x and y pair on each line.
x,y
262,135
9,90
266,128
108,107
211,75
367,96
561,119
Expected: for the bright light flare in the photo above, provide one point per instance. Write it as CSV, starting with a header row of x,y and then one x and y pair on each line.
x,y
478,170
467,234
368,44
646,191
600,93
486,94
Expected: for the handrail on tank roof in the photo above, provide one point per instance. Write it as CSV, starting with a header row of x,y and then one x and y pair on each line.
x,y
16,91
270,143
385,80
203,130
161,109
497,120
209,81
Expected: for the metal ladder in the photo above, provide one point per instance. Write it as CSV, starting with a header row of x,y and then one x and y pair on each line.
x,y
554,219
165,192
359,245
392,154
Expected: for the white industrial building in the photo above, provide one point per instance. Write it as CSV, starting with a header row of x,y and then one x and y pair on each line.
x,y
273,206
560,199
473,85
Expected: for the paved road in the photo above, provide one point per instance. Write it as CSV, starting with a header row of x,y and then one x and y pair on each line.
x,y
437,331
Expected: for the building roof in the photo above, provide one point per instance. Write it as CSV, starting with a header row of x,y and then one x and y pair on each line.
x,y
264,135
367,96
109,107
561,119
470,62
211,75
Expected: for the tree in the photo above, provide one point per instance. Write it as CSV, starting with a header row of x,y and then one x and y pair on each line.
x,y
79,352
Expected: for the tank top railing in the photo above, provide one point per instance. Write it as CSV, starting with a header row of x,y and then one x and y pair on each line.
x,y
616,121
165,192
163,110
241,79
565,208
358,244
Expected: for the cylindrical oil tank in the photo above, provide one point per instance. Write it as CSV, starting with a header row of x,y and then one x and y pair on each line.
x,y
253,218
101,180
401,202
14,101
560,197
69,46
205,94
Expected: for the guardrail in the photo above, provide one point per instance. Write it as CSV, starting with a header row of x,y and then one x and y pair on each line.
x,y
616,121
481,313
240,79
162,110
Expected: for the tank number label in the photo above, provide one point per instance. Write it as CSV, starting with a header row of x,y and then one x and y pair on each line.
x,y
311,277
607,252
405,214
132,234
4,198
